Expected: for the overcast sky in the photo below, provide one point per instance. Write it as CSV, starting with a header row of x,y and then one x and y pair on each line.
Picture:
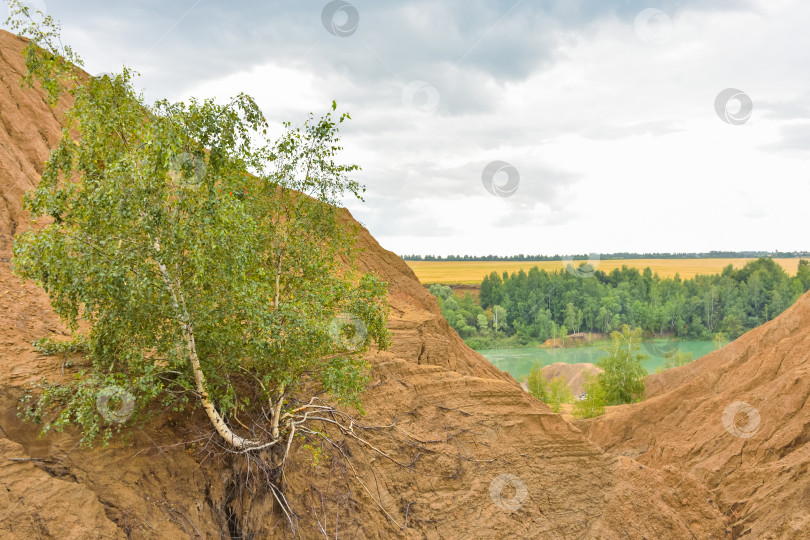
x,y
505,127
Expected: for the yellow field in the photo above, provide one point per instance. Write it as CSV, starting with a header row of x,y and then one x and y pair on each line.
x,y
472,272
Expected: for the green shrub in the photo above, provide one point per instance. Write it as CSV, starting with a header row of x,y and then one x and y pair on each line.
x,y
595,398
537,384
623,375
559,393
51,347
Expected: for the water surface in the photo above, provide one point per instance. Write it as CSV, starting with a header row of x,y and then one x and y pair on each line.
x,y
518,362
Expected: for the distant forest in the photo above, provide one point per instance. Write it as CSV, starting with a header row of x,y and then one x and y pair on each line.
x,y
538,305
613,256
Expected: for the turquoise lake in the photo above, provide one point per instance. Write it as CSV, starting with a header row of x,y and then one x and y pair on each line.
x,y
518,362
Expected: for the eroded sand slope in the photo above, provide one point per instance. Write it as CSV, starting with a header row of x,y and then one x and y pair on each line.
x,y
758,466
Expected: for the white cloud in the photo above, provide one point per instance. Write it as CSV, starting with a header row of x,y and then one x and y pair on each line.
x,y
616,140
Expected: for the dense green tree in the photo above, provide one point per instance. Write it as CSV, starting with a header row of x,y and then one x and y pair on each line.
x,y
733,301
544,325
491,290
441,291
466,331
573,317
803,275
499,315
732,325
623,375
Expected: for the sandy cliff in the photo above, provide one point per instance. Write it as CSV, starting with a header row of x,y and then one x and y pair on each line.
x,y
737,419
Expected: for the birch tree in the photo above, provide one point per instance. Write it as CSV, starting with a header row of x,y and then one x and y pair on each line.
x,y
212,267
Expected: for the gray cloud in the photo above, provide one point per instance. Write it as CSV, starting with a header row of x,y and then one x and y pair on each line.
x,y
393,216
655,128
553,87
185,42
